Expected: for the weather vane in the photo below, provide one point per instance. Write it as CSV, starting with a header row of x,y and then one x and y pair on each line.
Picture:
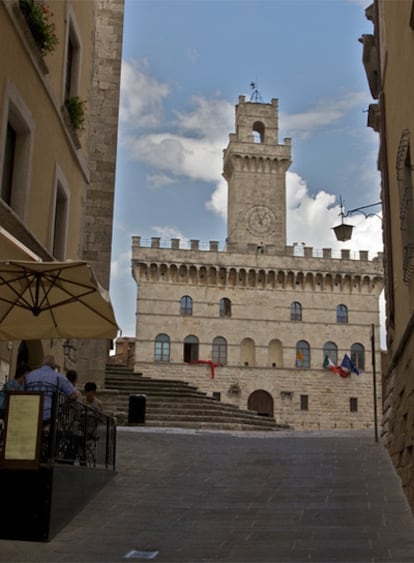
x,y
256,95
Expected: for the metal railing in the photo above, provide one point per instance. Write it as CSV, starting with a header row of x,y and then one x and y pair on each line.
x,y
74,433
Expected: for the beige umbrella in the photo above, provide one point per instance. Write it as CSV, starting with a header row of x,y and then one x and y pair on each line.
x,y
53,300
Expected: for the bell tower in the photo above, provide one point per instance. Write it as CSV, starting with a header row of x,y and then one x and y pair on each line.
x,y
255,168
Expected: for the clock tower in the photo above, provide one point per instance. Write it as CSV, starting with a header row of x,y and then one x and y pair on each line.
x,y
255,168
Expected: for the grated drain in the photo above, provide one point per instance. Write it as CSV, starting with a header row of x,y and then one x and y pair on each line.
x,y
141,554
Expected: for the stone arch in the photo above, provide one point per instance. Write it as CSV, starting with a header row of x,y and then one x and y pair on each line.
x,y
212,276
259,128
271,279
232,278
153,273
262,402
251,280
275,353
223,276
163,272
143,271
202,274
183,273
173,273
247,352
242,277
193,277
310,281
261,279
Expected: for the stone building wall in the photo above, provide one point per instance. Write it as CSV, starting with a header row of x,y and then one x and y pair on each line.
x,y
103,108
261,289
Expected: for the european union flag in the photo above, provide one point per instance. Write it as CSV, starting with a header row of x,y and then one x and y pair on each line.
x,y
347,365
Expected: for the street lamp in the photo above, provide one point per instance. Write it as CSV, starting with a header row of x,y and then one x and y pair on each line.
x,y
343,231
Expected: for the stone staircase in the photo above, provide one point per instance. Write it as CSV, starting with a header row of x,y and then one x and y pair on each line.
x,y
177,404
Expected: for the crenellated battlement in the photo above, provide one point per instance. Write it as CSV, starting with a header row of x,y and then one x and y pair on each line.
x,y
223,248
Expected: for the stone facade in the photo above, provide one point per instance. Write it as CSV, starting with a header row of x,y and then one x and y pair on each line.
x,y
387,57
57,203
252,323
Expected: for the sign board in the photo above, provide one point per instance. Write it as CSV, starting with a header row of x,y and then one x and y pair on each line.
x,y
23,430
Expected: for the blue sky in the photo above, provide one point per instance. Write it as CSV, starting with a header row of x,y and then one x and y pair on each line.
x,y
185,63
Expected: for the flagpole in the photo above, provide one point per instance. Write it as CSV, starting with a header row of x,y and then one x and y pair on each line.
x,y
374,378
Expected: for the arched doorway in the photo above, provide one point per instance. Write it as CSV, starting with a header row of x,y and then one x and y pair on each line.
x,y
261,402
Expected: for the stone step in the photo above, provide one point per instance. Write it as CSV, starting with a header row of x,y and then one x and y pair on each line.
x,y
176,403
209,426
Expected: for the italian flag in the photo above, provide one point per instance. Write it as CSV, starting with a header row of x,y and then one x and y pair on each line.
x,y
328,364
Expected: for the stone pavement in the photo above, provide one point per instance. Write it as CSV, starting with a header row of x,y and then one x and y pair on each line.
x,y
198,496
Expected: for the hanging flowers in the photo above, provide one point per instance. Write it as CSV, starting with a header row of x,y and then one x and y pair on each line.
x,y
38,17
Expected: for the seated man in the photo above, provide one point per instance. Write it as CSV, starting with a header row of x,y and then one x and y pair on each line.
x,y
48,380
15,384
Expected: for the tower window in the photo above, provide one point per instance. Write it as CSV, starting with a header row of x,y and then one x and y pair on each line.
x,y
342,314
186,305
258,132
296,311
225,307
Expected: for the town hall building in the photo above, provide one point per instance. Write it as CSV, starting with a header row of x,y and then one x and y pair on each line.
x,y
252,324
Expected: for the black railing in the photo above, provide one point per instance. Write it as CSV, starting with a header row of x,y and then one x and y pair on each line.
x,y
74,433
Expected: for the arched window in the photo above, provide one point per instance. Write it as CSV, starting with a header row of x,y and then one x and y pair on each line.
x,y
186,305
225,307
219,354
190,349
358,356
162,348
330,349
302,354
342,314
258,132
296,311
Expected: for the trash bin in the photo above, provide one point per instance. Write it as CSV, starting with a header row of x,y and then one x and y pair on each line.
x,y
136,409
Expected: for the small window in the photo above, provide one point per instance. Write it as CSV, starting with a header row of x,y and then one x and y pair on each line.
x,y
190,349
162,348
60,223
16,147
353,404
296,311
219,354
358,356
258,132
342,314
186,305
330,349
302,354
304,402
225,307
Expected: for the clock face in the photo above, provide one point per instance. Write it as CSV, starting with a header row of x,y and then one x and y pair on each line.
x,y
260,220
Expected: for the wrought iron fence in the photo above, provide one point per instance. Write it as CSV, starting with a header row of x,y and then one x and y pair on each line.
x,y
74,433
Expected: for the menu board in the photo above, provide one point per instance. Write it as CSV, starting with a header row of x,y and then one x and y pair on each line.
x,y
22,430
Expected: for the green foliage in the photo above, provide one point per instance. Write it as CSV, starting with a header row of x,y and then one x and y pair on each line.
x,y
76,110
38,17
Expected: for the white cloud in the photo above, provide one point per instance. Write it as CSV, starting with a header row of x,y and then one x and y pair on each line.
x,y
167,232
141,96
159,180
310,219
323,114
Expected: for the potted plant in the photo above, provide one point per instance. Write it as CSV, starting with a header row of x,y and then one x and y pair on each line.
x,y
76,111
38,17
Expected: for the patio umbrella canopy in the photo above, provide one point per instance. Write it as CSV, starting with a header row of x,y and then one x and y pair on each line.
x,y
53,300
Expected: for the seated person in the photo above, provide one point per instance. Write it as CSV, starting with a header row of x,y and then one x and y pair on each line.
x,y
90,396
47,379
